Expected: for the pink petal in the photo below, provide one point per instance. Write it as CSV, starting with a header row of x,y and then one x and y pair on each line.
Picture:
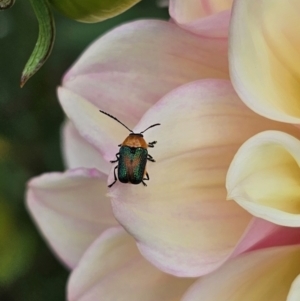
x,y
264,275
190,10
182,221
78,152
71,210
262,234
112,269
134,65
203,17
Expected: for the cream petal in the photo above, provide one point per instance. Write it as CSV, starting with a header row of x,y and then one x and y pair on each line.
x,y
133,66
77,152
112,269
294,294
182,221
71,210
98,129
256,276
205,17
264,177
264,57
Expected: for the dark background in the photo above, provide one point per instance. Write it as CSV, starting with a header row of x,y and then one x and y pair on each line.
x,y
30,120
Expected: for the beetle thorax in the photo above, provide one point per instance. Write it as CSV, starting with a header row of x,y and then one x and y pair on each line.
x,y
135,140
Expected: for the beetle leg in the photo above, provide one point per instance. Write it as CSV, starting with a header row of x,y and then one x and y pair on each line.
x,y
151,144
150,158
146,179
115,178
118,157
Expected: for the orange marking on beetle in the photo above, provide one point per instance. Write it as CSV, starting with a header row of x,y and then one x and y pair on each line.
x,y
135,140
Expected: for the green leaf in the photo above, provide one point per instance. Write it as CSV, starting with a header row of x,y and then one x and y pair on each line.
x,y
44,42
91,11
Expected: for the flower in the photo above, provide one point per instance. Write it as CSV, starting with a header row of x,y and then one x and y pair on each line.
x,y
143,73
264,175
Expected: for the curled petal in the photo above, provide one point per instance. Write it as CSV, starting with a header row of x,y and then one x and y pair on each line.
x,y
256,276
113,269
203,17
264,57
78,152
182,221
294,294
264,177
71,210
133,66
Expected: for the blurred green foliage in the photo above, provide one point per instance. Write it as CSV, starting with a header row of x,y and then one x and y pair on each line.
x,y
30,120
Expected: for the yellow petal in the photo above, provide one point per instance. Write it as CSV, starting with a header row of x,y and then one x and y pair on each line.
x,y
264,57
264,177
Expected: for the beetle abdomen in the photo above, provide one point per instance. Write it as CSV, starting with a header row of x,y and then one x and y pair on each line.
x,y
132,164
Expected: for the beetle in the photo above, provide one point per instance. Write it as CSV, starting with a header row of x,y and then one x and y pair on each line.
x,y
132,157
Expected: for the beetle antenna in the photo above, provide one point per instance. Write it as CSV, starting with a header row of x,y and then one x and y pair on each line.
x,y
116,120
151,126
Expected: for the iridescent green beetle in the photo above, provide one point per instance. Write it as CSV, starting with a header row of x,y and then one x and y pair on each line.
x,y
132,157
